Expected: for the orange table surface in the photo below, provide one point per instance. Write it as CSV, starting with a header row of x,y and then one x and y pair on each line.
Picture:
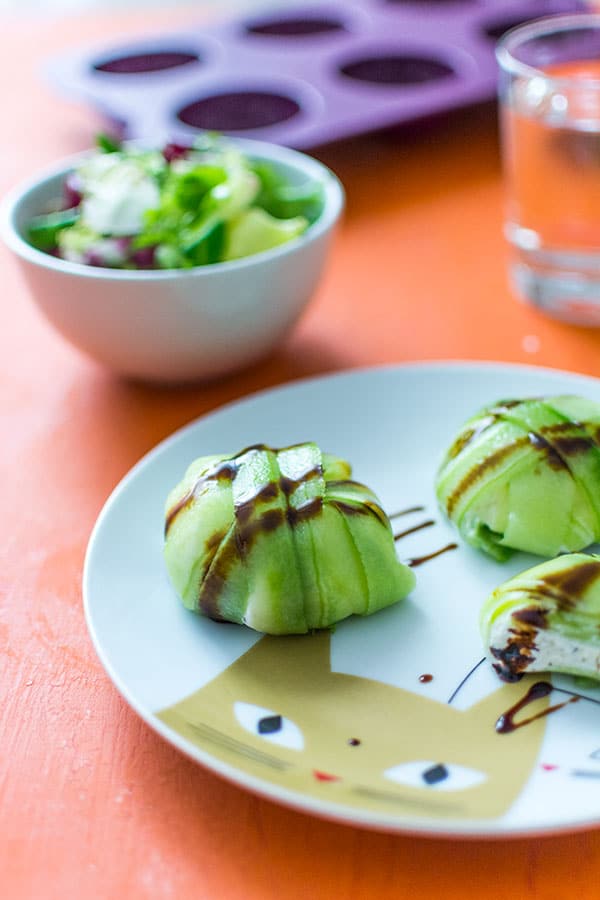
x,y
92,803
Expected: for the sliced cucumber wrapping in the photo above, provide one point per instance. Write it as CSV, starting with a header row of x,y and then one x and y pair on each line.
x,y
280,540
546,619
525,475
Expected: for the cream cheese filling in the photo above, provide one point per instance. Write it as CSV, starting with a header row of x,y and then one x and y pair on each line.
x,y
551,650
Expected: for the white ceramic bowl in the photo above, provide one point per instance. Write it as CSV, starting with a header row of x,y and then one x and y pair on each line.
x,y
177,325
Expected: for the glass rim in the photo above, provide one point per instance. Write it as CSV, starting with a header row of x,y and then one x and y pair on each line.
x,y
518,35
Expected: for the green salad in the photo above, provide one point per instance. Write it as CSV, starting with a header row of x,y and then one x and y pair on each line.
x,y
173,208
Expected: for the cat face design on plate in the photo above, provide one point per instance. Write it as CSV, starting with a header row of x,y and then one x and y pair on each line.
x,y
281,715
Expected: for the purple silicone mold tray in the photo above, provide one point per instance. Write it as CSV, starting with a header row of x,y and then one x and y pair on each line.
x,y
306,75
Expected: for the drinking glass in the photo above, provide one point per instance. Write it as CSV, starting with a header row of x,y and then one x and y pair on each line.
x,y
550,129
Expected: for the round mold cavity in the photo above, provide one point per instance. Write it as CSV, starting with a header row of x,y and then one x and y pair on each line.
x,y
238,111
396,69
304,26
146,62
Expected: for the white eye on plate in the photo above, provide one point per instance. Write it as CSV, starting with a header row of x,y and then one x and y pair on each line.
x,y
435,775
268,724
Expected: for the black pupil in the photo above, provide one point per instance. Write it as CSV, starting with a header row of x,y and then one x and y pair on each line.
x,y
269,725
435,774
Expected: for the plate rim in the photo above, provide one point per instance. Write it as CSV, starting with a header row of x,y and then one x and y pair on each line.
x,y
291,799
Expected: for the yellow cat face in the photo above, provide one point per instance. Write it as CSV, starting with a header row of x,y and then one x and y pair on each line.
x,y
280,714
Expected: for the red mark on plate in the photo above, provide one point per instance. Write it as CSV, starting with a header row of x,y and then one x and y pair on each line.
x,y
325,776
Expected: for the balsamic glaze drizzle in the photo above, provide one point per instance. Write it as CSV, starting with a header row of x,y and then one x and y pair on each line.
x,y
506,722
405,512
418,560
426,524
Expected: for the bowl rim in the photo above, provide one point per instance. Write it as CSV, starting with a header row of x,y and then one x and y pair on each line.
x,y
334,202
